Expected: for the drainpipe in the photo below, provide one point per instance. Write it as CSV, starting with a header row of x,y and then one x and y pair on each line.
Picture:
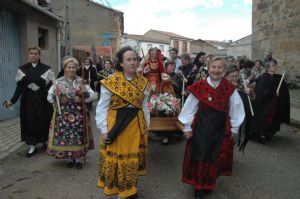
x,y
58,36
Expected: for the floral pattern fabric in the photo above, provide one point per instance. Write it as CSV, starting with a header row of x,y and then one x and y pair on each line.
x,y
70,134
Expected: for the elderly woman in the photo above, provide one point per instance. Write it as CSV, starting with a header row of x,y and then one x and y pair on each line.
x,y
70,137
232,75
212,115
271,108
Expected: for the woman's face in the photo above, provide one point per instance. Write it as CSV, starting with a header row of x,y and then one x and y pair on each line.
x,y
171,69
273,68
70,70
216,70
107,65
87,62
233,77
201,58
257,64
129,62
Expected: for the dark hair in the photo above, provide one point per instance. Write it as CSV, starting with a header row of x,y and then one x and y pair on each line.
x,y
119,56
258,61
268,64
185,56
90,60
196,61
111,63
173,49
231,68
248,63
169,62
200,54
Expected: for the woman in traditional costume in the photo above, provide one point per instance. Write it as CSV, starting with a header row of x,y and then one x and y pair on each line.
x,y
232,75
270,108
33,81
70,133
211,117
123,119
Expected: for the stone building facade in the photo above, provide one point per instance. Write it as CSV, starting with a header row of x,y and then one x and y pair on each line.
x,y
276,28
88,24
240,47
202,46
181,43
142,44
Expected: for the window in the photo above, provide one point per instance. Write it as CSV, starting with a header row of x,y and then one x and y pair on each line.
x,y
162,48
149,46
43,38
184,47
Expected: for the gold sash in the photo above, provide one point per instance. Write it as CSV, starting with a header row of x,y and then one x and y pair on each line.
x,y
125,92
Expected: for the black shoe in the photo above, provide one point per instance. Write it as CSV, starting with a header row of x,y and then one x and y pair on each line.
x,y
70,164
78,165
199,194
28,155
135,196
262,139
206,192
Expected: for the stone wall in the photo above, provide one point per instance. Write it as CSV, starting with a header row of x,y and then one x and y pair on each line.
x,y
276,28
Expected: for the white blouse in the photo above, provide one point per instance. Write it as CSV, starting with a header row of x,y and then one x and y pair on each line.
x,y
236,110
69,88
103,106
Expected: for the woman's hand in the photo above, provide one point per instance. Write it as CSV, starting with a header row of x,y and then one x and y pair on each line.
x,y
247,90
165,77
56,92
7,103
188,135
146,69
82,90
104,136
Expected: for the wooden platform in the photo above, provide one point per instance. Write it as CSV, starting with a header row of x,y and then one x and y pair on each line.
x,y
165,124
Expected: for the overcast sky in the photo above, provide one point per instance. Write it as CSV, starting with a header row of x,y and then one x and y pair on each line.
x,y
197,19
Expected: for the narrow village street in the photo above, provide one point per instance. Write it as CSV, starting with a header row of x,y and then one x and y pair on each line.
x,y
264,172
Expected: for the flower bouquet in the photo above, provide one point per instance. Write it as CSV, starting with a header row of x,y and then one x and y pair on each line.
x,y
164,105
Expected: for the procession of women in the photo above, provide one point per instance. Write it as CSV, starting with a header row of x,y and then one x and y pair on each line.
x,y
218,104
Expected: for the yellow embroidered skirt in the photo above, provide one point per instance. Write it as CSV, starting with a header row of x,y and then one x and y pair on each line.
x,y
124,160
